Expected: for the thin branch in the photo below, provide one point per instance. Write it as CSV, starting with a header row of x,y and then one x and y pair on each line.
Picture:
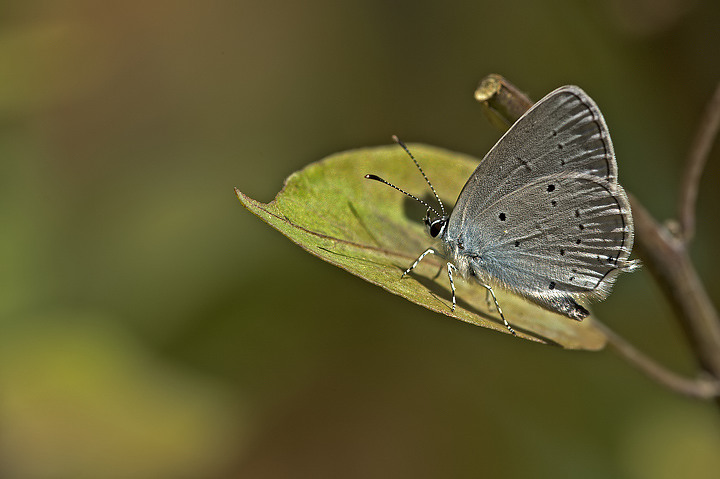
x,y
702,388
502,100
695,163
666,257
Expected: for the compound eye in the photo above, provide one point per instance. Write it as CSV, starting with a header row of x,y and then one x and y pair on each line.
x,y
436,228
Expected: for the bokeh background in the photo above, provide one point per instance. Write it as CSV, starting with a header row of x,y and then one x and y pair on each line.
x,y
150,327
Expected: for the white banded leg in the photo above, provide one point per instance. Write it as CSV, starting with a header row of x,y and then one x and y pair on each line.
x,y
497,305
412,267
450,268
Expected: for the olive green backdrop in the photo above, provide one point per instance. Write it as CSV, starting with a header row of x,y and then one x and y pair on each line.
x,y
151,327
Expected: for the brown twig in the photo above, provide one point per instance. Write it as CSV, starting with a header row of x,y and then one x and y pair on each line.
x,y
701,388
667,258
694,165
664,253
502,100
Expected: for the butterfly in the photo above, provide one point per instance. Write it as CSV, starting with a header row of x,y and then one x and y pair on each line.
x,y
543,214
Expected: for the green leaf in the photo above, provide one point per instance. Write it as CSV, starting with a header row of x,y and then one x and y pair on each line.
x,y
374,232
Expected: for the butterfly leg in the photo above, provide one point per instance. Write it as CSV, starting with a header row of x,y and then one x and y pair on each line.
x,y
417,261
497,305
450,268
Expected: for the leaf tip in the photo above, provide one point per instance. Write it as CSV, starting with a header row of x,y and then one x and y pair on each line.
x,y
244,199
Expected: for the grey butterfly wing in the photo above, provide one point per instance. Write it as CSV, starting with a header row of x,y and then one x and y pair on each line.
x,y
558,238
548,222
565,131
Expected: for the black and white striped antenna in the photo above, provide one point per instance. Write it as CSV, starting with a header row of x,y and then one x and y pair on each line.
x,y
377,178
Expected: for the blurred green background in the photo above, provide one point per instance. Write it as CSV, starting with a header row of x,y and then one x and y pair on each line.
x,y
150,327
